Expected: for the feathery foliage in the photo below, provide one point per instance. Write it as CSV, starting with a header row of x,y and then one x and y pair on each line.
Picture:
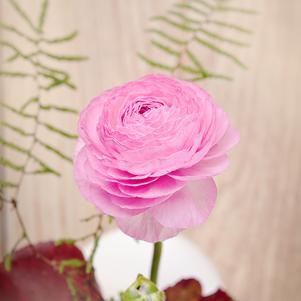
x,y
188,27
46,79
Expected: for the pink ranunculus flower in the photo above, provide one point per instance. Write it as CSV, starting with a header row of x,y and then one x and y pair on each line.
x,y
147,154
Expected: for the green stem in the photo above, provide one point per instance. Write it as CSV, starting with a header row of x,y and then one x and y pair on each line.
x,y
156,261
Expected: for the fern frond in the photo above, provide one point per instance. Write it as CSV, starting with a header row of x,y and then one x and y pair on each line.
x,y
23,14
58,108
165,48
7,184
196,20
172,23
192,8
15,128
231,26
65,38
42,16
18,32
16,111
28,103
224,8
220,51
7,163
155,64
222,38
16,74
67,58
56,130
54,150
167,36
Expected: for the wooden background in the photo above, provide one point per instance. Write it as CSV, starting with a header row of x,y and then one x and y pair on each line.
x,y
253,235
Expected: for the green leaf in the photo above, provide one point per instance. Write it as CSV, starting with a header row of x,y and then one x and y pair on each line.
x,y
165,48
204,3
56,130
54,150
65,38
154,63
219,37
68,58
231,26
7,184
16,74
184,18
16,111
167,36
175,24
142,290
13,146
67,241
194,60
17,32
23,14
70,263
7,262
42,17
235,9
71,287
220,51
58,108
7,163
191,8
14,128
29,102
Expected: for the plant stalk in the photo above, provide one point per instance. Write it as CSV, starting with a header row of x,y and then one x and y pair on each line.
x,y
156,261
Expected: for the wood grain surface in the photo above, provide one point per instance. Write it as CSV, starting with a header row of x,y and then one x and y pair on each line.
x,y
253,236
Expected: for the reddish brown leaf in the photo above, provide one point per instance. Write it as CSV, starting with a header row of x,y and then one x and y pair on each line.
x,y
191,290
32,278
218,296
185,290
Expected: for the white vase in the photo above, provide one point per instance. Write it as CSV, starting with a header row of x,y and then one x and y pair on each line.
x,y
120,258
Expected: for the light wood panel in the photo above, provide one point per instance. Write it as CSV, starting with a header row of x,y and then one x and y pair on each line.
x,y
253,235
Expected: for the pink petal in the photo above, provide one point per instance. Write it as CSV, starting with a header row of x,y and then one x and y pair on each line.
x,y
94,193
163,186
145,227
188,207
203,169
227,141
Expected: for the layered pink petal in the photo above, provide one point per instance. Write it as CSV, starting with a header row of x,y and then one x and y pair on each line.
x,y
201,170
145,227
188,207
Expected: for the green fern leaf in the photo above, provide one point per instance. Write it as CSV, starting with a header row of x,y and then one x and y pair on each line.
x,y
221,38
54,150
56,130
58,108
165,48
154,63
7,184
16,111
16,74
231,26
42,17
23,14
167,36
220,51
67,58
191,8
66,38
15,129
17,32
7,163
175,24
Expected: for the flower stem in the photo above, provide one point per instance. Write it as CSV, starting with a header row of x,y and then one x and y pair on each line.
x,y
156,261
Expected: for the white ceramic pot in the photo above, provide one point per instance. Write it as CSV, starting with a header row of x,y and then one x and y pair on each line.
x,y
120,258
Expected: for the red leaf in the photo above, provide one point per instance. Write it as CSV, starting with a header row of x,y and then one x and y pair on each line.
x,y
191,290
33,279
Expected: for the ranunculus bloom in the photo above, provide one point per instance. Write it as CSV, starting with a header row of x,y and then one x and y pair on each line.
x,y
147,153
